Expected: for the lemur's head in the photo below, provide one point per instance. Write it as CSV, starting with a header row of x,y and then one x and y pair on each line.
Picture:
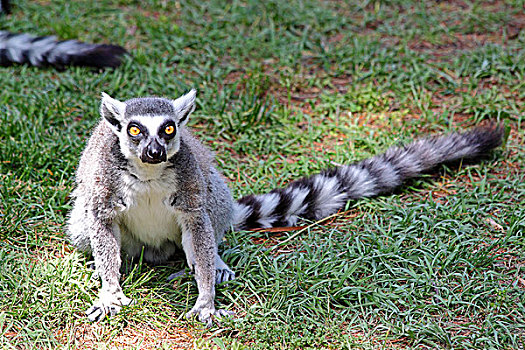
x,y
148,128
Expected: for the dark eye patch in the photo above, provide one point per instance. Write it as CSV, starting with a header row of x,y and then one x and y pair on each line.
x,y
165,127
142,128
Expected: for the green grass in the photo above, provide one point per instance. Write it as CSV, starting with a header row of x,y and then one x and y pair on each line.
x,y
285,88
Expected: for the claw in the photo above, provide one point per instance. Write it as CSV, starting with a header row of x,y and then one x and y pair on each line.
x,y
108,304
207,315
94,313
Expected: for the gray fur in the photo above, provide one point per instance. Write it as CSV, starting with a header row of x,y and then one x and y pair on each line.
x,y
151,194
149,106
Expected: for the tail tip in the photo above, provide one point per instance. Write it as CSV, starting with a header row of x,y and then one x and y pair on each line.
x,y
101,56
490,136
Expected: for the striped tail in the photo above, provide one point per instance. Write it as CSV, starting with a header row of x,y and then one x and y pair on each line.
x,y
323,194
48,51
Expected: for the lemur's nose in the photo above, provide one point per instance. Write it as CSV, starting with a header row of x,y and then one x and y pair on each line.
x,y
154,153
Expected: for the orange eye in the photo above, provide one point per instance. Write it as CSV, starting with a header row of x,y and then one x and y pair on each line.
x,y
134,131
169,129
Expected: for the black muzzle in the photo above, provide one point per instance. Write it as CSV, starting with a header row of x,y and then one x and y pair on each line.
x,y
154,153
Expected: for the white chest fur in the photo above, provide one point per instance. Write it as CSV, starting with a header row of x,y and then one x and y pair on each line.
x,y
147,216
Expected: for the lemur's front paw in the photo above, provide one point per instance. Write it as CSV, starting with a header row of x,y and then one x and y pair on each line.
x,y
107,304
206,315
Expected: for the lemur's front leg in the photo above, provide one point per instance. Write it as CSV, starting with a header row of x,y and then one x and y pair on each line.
x,y
105,245
198,242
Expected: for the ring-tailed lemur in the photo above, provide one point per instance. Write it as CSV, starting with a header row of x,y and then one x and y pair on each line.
x,y
146,186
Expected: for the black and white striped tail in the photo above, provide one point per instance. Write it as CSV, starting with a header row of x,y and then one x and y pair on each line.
x,y
323,194
48,51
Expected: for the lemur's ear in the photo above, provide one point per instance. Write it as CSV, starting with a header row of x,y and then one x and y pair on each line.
x,y
113,111
184,105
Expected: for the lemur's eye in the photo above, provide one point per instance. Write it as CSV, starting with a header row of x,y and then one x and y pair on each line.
x,y
169,129
134,131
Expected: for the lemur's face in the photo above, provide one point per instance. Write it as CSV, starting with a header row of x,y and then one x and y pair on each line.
x,y
148,128
151,138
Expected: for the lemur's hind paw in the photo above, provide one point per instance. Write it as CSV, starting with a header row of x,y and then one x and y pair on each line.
x,y
108,304
222,272
224,275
